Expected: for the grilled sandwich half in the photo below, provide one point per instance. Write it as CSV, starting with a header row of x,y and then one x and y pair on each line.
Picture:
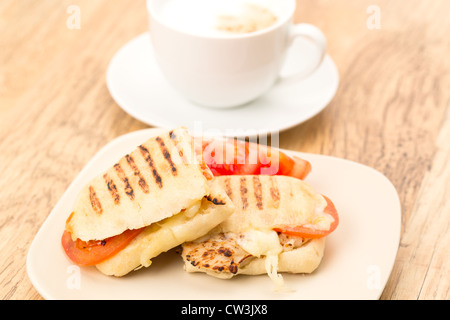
x,y
153,199
279,225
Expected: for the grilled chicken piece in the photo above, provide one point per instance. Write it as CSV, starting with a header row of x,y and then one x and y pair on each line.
x,y
289,242
220,253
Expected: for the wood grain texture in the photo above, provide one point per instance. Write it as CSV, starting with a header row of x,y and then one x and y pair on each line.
x,y
391,112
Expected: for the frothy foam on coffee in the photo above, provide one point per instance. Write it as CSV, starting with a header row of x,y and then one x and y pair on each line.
x,y
252,18
216,17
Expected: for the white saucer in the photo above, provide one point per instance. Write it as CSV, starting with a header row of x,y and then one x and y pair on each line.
x,y
139,88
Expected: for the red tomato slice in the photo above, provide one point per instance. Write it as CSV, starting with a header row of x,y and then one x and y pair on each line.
x,y
234,157
89,253
277,162
305,232
228,158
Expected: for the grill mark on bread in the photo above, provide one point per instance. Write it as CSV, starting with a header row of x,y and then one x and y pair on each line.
x,y
228,189
128,189
257,192
275,194
243,189
112,189
173,137
147,157
215,200
95,202
167,156
142,183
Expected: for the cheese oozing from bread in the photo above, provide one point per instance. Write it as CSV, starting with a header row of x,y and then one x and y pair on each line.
x,y
264,243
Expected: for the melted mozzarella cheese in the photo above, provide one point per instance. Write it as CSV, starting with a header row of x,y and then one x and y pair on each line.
x,y
321,220
271,264
192,210
259,243
264,243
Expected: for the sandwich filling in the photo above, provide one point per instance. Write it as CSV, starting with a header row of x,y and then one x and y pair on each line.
x,y
224,255
93,252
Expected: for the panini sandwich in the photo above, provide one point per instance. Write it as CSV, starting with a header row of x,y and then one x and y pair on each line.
x,y
153,199
279,225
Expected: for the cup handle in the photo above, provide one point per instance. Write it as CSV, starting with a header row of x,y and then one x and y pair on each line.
x,y
315,35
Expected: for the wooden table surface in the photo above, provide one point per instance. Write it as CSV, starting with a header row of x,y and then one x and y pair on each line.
x,y
391,112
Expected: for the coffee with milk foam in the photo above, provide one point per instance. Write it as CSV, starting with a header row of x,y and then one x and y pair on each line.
x,y
218,17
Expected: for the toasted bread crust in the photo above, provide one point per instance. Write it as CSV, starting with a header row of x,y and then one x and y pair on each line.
x,y
152,183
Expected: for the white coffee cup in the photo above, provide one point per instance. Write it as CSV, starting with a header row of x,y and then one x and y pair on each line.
x,y
225,70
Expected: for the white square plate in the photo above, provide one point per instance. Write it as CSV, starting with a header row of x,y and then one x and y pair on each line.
x,y
359,254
